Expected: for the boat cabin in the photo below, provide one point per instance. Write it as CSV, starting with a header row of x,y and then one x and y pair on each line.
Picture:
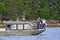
x,y
18,25
21,25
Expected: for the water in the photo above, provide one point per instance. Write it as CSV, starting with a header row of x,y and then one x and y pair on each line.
x,y
52,33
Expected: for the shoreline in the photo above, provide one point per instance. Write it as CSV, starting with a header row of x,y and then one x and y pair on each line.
x,y
53,25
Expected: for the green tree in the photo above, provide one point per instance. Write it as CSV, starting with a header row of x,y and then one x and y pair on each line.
x,y
3,10
48,9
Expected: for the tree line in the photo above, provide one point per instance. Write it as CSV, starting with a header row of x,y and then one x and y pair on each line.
x,y
13,9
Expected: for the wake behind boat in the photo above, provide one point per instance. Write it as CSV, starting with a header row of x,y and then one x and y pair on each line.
x,y
14,28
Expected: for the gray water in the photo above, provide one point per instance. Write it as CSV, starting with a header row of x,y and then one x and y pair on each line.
x,y
52,33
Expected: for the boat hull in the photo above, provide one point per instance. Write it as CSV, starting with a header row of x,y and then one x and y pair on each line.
x,y
21,32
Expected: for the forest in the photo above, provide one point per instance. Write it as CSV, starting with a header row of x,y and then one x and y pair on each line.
x,y
13,9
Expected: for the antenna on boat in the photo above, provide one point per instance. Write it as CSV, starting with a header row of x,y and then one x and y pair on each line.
x,y
23,19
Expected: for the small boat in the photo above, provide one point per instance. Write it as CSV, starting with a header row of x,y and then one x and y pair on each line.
x,y
23,28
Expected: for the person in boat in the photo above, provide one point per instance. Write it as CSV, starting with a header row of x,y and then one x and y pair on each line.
x,y
39,21
44,23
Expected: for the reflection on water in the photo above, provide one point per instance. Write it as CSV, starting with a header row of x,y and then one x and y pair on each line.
x,y
49,34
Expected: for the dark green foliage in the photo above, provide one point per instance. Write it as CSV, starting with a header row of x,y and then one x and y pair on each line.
x,y
47,9
3,10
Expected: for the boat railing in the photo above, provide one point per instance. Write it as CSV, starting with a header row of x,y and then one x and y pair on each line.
x,y
33,25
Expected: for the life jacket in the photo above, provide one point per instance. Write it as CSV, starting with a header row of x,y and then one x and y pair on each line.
x,y
41,21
